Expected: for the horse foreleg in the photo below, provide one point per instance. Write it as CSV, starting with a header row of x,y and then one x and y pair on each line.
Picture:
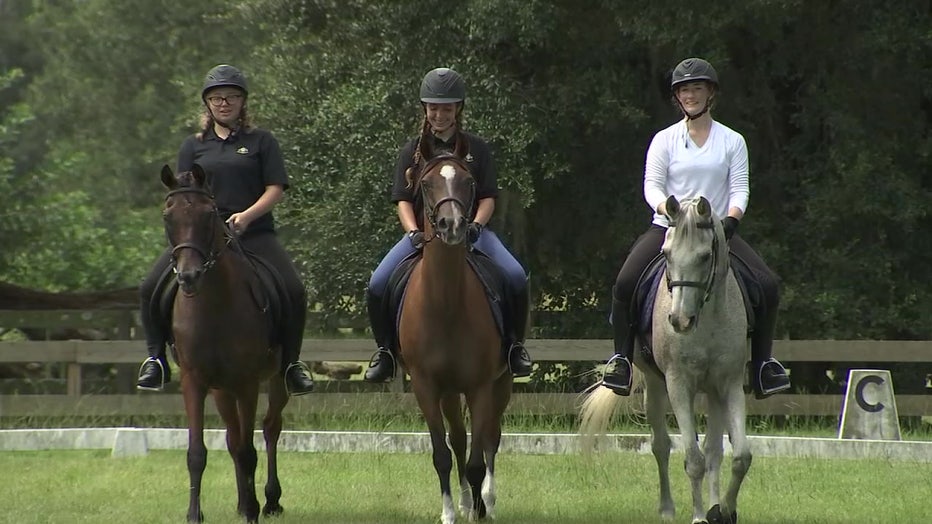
x,y
428,399
271,431
486,435
452,408
712,445
194,396
660,442
681,399
735,416
246,456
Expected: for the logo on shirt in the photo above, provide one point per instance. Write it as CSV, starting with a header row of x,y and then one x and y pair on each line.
x,y
242,150
468,157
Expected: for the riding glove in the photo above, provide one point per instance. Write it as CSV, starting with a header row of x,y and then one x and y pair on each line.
x,y
730,224
416,237
473,230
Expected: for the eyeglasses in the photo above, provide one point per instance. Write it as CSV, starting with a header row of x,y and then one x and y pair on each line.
x,y
216,101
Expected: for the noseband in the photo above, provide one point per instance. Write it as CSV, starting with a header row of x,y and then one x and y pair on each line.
x,y
710,282
209,255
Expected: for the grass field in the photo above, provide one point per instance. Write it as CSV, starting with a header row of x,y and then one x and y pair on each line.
x,y
90,486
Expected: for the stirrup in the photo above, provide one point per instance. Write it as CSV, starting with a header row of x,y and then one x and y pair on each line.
x,y
297,364
379,355
760,392
162,375
619,389
524,356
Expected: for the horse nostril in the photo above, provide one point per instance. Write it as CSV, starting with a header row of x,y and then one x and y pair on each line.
x,y
443,223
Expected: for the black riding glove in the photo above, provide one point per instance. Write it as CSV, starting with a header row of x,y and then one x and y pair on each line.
x,y
730,224
416,236
473,230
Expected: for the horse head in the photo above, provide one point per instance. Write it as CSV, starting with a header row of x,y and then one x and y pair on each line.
x,y
697,258
449,193
192,225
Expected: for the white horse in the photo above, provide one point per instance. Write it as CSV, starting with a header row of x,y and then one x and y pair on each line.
x,y
695,355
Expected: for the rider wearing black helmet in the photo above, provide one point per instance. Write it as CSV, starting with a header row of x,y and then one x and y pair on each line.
x,y
443,95
252,182
696,156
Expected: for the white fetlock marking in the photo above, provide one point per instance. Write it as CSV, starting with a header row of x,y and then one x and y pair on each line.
x,y
488,494
466,508
448,514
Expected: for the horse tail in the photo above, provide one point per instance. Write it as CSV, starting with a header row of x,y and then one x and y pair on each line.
x,y
596,412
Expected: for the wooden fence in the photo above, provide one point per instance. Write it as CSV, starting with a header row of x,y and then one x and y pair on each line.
x,y
125,349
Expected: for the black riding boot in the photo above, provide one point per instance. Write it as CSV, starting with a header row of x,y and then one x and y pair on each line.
x,y
382,365
298,379
154,372
519,362
617,375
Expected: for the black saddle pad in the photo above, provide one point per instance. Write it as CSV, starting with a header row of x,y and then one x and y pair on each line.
x,y
266,287
485,268
642,306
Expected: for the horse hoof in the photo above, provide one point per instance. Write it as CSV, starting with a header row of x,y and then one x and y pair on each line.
x,y
715,516
272,510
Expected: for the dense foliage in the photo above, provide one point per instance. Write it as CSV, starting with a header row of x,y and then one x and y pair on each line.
x,y
834,98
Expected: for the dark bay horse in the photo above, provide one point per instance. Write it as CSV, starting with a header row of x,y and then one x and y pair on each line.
x,y
221,341
700,344
450,345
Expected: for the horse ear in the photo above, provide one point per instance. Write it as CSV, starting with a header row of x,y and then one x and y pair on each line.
x,y
704,207
168,178
672,207
426,146
462,146
200,176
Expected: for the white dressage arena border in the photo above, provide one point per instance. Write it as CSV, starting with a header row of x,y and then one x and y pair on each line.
x,y
126,442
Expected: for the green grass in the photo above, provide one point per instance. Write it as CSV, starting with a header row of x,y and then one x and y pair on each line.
x,y
89,486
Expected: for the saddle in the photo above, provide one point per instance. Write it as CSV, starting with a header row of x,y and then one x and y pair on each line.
x,y
266,286
493,282
642,305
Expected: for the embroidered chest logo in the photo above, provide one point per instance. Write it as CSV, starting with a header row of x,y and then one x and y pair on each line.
x,y
242,150
468,157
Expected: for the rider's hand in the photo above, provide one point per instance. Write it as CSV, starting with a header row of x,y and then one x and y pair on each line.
x,y
730,224
473,230
238,223
416,237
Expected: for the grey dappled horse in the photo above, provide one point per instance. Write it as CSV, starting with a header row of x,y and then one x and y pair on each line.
x,y
700,344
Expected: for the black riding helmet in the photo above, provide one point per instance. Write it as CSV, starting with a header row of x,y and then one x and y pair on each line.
x,y
692,70
224,75
443,86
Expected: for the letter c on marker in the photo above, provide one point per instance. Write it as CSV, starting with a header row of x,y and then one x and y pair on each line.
x,y
859,393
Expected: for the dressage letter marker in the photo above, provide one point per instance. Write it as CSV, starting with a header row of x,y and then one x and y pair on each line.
x,y
869,411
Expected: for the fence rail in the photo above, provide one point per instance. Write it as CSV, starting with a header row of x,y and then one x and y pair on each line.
x,y
76,353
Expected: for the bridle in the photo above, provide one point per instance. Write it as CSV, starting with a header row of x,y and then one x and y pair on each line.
x,y
432,210
709,283
209,255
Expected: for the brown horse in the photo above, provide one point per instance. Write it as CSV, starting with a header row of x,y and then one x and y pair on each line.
x,y
221,342
449,342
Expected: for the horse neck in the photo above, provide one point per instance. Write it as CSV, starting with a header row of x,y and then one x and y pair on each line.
x,y
443,269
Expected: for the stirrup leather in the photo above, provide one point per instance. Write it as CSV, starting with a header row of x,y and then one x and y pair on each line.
x,y
161,385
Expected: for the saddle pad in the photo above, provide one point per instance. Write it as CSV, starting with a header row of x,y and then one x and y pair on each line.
x,y
485,269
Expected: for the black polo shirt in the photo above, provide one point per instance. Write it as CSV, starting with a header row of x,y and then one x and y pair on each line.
x,y
480,165
240,168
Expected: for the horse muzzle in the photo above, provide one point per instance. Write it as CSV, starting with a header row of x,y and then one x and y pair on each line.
x,y
682,323
452,230
189,281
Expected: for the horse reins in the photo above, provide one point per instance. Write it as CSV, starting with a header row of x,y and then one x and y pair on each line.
x,y
708,285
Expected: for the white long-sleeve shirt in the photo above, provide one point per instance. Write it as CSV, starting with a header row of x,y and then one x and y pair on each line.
x,y
676,166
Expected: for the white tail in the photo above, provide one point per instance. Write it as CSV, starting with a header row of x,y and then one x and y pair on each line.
x,y
596,413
